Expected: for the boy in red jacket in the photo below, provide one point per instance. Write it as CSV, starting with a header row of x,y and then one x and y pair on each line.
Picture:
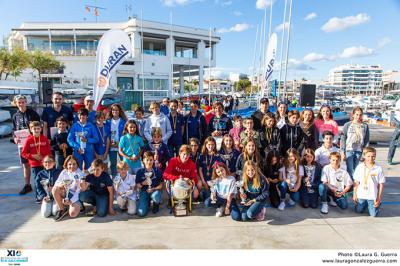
x,y
36,147
182,167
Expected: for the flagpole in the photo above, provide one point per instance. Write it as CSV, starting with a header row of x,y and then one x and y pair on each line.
x,y
209,70
287,47
259,71
143,79
172,57
254,61
270,19
281,57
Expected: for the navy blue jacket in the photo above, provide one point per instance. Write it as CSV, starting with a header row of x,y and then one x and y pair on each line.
x,y
261,194
199,131
163,152
176,138
57,140
223,124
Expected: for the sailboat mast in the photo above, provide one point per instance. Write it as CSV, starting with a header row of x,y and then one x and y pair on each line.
x,y
287,47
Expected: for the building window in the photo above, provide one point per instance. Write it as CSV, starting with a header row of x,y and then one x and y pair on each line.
x,y
185,49
159,86
153,46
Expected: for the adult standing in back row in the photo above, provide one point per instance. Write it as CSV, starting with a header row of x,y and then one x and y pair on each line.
x,y
195,124
258,115
21,120
157,119
51,113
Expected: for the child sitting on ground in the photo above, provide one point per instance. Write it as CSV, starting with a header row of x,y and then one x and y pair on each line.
x,y
97,190
125,188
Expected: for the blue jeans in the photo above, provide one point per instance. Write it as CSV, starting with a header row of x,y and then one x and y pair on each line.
x,y
144,201
362,204
324,192
244,213
309,199
39,190
87,157
284,188
220,202
59,158
393,144
113,155
100,201
352,160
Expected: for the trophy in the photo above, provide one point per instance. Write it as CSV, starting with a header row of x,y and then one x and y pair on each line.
x,y
307,180
213,190
148,176
239,173
68,181
64,150
82,144
116,182
239,184
113,138
339,181
226,158
45,183
156,148
181,191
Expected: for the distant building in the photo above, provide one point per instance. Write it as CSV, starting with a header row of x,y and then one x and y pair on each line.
x,y
235,77
168,52
357,79
391,81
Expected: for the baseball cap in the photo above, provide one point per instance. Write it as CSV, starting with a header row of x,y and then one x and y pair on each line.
x,y
89,98
264,100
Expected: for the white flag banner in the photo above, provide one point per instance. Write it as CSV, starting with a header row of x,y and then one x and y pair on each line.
x,y
114,47
270,58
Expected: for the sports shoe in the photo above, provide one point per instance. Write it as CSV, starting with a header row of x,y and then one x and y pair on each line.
x,y
324,208
60,214
261,215
156,207
390,163
291,202
26,189
281,206
332,202
219,212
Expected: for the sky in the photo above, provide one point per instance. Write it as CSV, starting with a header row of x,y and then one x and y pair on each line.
x,y
324,33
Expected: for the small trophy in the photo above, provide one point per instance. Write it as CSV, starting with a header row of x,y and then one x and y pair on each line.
x,y
339,180
148,176
239,184
226,158
117,182
113,138
307,180
82,144
45,184
213,190
156,148
239,174
68,181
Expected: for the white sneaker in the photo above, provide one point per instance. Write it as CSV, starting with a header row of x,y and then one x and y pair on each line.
x,y
291,202
324,208
332,202
281,206
219,212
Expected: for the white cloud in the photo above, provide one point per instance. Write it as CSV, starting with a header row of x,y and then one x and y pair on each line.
x,y
226,3
237,28
310,16
262,4
356,51
295,64
237,13
314,57
178,2
339,24
383,42
280,27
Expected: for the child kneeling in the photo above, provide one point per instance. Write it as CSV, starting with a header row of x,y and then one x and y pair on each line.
x,y
223,190
369,180
97,190
125,188
150,181
47,179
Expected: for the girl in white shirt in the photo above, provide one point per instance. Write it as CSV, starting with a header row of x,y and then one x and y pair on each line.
x,y
290,176
125,189
66,189
369,181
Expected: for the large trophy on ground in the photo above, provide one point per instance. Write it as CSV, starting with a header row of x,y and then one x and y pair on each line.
x,y
181,196
45,184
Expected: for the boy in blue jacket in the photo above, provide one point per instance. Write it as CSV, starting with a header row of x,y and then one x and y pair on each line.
x,y
177,123
82,137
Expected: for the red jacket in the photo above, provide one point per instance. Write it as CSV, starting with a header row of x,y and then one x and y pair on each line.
x,y
176,168
29,149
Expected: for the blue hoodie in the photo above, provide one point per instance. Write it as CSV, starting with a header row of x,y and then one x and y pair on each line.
x,y
90,134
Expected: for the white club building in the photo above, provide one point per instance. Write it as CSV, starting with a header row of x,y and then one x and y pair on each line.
x,y
357,79
161,53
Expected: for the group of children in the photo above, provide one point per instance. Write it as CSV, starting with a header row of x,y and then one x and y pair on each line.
x,y
232,166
